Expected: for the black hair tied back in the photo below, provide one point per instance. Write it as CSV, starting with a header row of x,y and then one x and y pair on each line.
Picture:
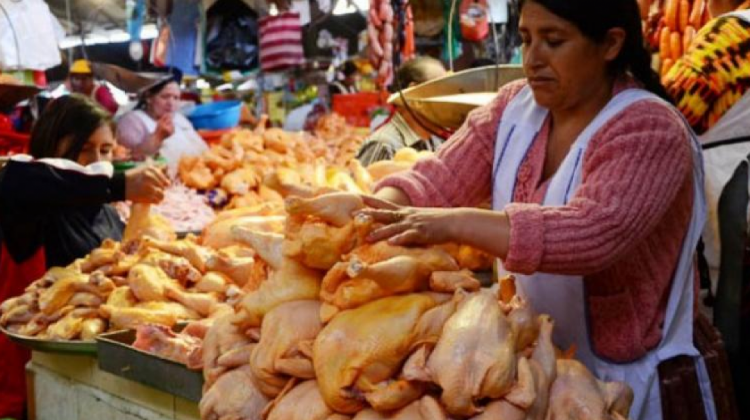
x,y
594,18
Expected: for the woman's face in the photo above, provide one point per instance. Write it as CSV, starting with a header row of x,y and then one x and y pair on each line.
x,y
99,147
165,102
563,66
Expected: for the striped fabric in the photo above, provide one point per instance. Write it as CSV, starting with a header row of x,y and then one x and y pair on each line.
x,y
280,41
714,73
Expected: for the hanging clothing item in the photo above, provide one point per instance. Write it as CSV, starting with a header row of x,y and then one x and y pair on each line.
x,y
29,33
280,41
231,36
184,27
564,296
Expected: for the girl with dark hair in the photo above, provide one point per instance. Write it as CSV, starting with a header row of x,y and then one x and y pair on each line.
x,y
596,186
157,126
53,210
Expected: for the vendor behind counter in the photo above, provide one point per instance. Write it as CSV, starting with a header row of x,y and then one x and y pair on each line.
x,y
402,129
156,126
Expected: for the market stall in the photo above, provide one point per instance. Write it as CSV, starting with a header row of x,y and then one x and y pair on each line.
x,y
254,265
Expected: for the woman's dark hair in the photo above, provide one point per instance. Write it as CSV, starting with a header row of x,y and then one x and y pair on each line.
x,y
594,18
416,71
65,126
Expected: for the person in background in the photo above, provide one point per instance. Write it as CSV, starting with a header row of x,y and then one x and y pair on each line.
x,y
53,210
349,83
401,129
710,85
156,127
81,81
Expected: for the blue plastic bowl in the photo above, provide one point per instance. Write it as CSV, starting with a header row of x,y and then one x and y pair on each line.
x,y
216,115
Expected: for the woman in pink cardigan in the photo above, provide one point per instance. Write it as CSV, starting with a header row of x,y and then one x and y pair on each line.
x,y
596,186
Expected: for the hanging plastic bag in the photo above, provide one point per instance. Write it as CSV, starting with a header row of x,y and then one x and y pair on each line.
x,y
28,36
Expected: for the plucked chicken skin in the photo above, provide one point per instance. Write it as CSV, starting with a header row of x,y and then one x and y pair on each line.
x,y
234,396
374,271
364,347
288,282
303,402
278,356
427,408
475,357
577,395
163,342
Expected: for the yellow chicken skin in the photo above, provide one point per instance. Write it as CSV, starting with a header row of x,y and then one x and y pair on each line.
x,y
278,355
289,281
361,348
379,270
475,357
303,402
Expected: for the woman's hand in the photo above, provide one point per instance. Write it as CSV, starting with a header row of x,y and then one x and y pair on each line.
x,y
486,230
411,225
164,127
145,184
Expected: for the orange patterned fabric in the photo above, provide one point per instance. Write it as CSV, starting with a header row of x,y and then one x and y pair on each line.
x,y
714,73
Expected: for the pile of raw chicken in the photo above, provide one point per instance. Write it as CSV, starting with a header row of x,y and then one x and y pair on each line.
x,y
346,329
148,278
244,167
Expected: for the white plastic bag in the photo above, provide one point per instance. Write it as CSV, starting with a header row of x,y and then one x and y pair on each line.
x,y
28,36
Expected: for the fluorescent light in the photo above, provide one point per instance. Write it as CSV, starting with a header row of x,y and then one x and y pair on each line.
x,y
119,37
116,36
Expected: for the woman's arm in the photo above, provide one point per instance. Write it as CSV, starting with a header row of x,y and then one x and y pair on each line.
x,y
459,175
133,134
633,170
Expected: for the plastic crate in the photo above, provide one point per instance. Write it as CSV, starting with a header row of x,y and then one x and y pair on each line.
x,y
356,107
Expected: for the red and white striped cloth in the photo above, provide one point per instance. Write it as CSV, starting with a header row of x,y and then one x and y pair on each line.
x,y
280,41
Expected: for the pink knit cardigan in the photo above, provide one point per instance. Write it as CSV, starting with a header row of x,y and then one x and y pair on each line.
x,y
622,230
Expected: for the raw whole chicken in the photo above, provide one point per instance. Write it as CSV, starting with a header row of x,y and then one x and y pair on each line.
x,y
475,357
289,281
279,354
303,402
577,395
374,271
427,408
361,349
234,396
165,343
223,338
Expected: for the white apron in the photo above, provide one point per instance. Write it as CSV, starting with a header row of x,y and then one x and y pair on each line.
x,y
721,163
563,296
185,141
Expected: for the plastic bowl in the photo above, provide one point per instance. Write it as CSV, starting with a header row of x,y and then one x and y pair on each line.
x,y
216,115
